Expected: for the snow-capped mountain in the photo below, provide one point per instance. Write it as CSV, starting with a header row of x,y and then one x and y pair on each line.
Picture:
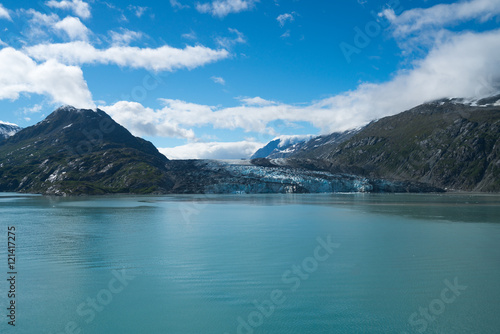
x,y
282,147
8,130
288,146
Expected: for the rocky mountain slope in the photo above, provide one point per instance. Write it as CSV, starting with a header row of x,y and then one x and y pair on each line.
x,y
448,143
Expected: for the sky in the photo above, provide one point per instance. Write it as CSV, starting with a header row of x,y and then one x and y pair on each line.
x,y
221,78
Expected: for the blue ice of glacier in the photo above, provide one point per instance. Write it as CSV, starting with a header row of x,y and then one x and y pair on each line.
x,y
257,179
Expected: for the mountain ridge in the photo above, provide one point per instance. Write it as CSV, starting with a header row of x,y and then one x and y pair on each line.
x,y
443,143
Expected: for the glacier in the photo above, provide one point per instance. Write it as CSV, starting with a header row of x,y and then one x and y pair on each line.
x,y
228,178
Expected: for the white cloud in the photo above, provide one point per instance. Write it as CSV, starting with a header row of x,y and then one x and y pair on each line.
x,y
221,8
218,80
164,58
78,7
35,109
284,18
42,25
4,13
256,101
138,10
20,74
177,4
213,150
73,27
191,35
39,25
413,20
143,121
227,42
124,37
286,34
466,65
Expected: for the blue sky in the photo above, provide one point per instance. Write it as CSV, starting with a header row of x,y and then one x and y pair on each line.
x,y
219,79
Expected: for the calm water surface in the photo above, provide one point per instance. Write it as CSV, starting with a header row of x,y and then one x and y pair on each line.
x,y
253,264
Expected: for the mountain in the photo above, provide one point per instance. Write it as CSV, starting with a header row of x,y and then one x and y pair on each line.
x,y
8,130
450,143
281,147
75,151
289,146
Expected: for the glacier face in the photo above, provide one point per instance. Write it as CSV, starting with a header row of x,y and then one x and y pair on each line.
x,y
250,179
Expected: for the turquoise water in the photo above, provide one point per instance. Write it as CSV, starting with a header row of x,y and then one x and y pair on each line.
x,y
253,264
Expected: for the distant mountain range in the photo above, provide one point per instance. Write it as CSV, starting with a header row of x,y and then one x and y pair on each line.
x,y
444,144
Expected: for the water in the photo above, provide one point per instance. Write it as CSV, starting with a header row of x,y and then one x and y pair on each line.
x,y
224,264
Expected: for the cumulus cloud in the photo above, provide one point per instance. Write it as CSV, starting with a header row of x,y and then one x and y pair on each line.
x,y
441,15
4,13
73,27
213,150
39,24
221,8
165,58
78,7
143,121
21,74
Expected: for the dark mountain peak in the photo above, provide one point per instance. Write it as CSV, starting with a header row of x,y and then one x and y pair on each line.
x,y
84,147
71,114
66,108
82,130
